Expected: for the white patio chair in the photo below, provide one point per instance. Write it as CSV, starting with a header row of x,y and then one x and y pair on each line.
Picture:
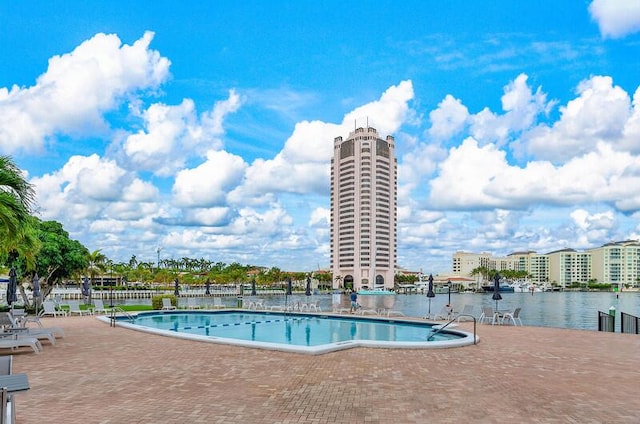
x,y
466,311
74,308
99,308
514,317
314,306
49,308
488,315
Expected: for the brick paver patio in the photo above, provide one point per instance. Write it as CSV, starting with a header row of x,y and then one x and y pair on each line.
x,y
99,374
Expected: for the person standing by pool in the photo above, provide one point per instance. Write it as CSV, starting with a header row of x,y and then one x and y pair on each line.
x,y
354,301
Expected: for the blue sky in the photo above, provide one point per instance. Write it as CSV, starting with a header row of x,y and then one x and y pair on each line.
x,y
206,128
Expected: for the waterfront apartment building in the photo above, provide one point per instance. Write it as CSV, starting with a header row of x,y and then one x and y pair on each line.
x,y
568,266
464,263
616,263
364,210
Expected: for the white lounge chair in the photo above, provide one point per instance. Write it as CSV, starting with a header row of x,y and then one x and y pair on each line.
x,y
514,317
192,304
217,303
11,327
391,313
6,365
58,332
49,308
6,400
14,342
99,308
74,308
366,311
337,308
166,304
444,314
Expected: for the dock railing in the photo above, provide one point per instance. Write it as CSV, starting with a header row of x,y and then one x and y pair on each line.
x,y
629,323
606,322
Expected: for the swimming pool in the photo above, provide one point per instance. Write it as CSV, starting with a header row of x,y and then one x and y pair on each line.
x,y
300,333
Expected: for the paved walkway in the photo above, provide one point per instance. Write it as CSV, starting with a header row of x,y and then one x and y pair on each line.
x,y
99,374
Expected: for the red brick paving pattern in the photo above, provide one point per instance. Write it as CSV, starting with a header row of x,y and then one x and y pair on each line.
x,y
99,374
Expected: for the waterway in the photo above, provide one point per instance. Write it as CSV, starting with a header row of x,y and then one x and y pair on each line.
x,y
576,310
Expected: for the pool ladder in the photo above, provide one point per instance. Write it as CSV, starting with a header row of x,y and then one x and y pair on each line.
x,y
442,327
117,309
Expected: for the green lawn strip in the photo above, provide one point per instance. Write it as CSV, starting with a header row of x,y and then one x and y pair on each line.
x,y
127,308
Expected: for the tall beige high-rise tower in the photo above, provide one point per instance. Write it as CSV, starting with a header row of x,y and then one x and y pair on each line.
x,y
363,210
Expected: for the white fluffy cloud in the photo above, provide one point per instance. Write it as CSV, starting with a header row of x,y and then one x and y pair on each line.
x,y
208,184
521,106
448,119
480,177
592,228
599,113
77,89
386,114
616,18
90,187
173,133
302,165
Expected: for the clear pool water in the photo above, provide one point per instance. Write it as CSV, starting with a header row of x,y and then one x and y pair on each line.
x,y
576,310
295,332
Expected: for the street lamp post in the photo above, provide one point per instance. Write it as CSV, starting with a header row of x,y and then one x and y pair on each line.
x,y
449,285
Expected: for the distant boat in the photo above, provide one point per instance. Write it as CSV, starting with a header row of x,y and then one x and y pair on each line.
x,y
444,290
504,288
375,291
525,288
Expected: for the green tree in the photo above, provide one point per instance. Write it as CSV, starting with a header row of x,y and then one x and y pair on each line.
x,y
59,257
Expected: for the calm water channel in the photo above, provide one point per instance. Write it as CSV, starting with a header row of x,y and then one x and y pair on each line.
x,y
577,310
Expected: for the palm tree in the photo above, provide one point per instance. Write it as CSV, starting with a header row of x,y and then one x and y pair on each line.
x,y
338,278
17,198
481,271
24,246
97,263
133,262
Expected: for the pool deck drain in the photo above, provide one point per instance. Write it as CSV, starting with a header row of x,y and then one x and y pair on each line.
x,y
100,374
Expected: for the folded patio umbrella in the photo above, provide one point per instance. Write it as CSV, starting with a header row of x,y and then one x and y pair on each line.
x,y
496,289
12,287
